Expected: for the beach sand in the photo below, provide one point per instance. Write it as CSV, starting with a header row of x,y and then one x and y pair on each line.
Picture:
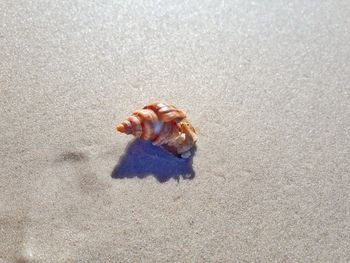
x,y
266,84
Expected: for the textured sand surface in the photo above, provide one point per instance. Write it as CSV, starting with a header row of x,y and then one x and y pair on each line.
x,y
267,83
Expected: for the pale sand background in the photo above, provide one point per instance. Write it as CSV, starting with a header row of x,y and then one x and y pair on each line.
x,y
265,82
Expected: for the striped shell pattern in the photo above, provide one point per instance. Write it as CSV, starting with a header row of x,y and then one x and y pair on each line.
x,y
164,125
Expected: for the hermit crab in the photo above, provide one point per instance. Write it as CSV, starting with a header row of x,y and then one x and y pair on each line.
x,y
163,124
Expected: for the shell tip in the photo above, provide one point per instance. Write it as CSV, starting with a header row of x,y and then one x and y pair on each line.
x,y
121,128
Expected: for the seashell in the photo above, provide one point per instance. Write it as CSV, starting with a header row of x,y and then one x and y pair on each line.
x,y
164,125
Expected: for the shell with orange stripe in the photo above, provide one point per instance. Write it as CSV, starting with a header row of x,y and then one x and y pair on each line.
x,y
160,123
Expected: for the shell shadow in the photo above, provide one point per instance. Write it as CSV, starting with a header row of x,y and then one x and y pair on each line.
x,y
142,159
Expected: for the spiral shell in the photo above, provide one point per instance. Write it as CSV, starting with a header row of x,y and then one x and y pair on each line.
x,y
164,125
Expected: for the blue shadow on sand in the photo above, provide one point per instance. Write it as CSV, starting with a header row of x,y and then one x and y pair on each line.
x,y
141,159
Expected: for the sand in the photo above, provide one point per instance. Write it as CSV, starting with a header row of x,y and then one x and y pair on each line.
x,y
267,85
